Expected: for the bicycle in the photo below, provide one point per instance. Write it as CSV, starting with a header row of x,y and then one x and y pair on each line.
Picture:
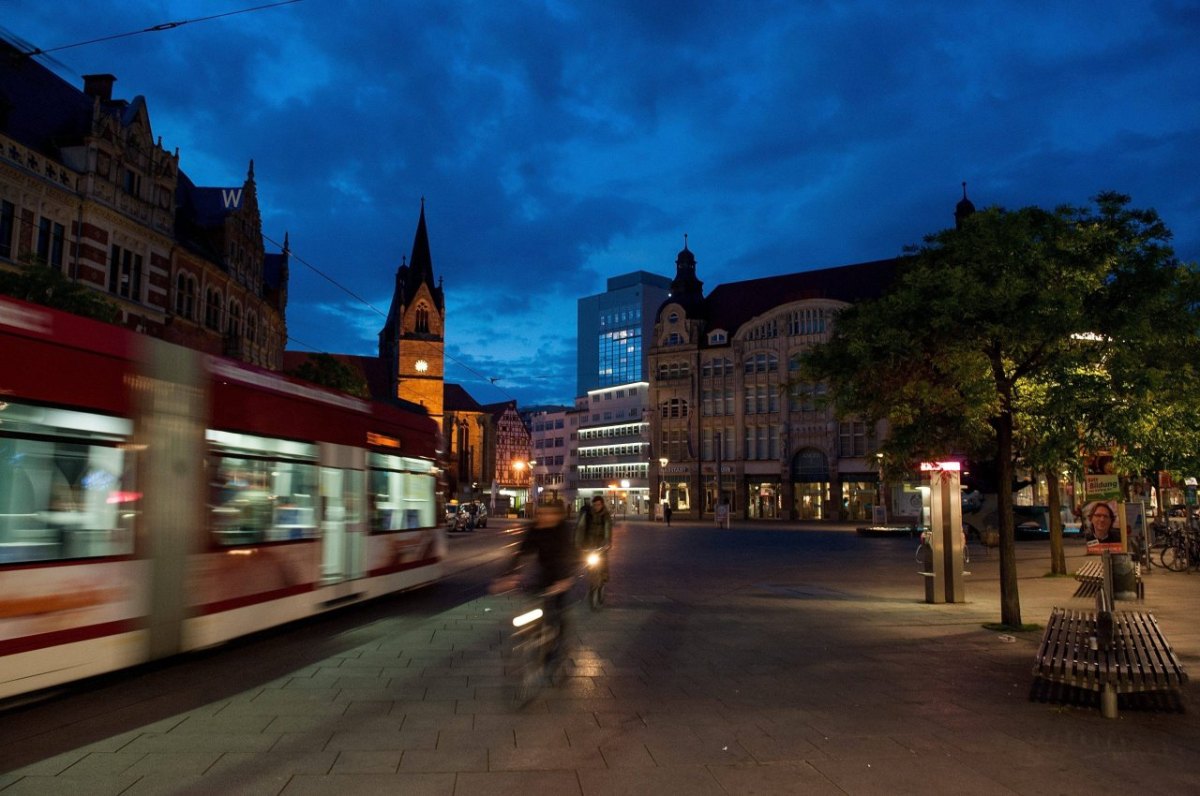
x,y
924,555
1182,552
535,645
596,563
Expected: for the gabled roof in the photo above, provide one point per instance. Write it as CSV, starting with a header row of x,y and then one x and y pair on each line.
x,y
37,107
456,399
498,410
732,304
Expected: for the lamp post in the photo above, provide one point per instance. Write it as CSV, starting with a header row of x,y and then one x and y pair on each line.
x,y
660,499
532,490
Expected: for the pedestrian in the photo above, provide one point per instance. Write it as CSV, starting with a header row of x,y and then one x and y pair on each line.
x,y
667,513
723,514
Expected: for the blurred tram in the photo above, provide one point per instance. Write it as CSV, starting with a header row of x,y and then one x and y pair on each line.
x,y
155,499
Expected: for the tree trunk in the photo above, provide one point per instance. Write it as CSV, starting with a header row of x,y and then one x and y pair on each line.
x,y
1058,558
1010,600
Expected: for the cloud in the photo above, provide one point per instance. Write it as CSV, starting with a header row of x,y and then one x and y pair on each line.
x,y
561,143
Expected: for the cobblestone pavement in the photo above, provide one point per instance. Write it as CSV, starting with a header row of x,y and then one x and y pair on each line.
x,y
734,662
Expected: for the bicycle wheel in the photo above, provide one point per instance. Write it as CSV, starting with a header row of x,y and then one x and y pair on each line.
x,y
1175,558
925,557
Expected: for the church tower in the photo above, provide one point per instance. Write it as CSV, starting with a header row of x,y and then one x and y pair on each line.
x,y
412,341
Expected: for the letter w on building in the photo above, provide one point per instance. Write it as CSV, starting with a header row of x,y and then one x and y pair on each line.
x,y
232,197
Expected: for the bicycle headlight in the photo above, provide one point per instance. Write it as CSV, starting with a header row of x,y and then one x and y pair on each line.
x,y
527,617
593,558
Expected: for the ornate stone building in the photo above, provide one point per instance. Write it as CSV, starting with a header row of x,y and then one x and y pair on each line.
x,y
730,420
87,189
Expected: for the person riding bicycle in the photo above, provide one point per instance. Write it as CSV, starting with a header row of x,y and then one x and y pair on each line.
x,y
548,546
593,531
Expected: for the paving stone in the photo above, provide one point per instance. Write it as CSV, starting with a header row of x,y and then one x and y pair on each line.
x,y
355,762
372,785
68,786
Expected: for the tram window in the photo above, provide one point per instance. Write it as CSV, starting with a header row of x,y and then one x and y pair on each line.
x,y
400,501
66,485
261,500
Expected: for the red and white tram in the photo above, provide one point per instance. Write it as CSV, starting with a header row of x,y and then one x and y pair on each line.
x,y
155,500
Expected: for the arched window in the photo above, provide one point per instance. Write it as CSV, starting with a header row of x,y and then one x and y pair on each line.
x,y
251,327
212,309
235,320
185,296
675,407
422,317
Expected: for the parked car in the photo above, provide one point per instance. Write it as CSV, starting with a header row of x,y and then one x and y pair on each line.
x,y
481,514
452,515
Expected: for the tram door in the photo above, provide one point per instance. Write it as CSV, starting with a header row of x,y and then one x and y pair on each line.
x,y
342,544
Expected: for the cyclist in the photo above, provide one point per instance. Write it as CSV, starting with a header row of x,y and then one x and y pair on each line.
x,y
549,547
593,531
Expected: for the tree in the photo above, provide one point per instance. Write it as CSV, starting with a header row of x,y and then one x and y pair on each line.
x,y
326,371
1011,335
39,283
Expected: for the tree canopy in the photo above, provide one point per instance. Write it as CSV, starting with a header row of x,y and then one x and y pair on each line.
x,y
327,371
1028,333
40,283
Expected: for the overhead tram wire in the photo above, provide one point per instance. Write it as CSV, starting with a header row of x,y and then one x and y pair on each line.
x,y
292,255
157,28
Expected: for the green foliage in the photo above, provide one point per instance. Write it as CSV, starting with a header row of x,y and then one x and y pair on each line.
x,y
37,282
326,371
1027,335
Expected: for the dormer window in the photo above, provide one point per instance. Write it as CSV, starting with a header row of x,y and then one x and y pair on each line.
x,y
673,317
718,337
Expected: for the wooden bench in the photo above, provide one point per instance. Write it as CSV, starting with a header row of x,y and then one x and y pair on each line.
x,y
1112,652
1091,579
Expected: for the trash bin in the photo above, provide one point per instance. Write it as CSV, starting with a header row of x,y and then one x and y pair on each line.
x,y
1123,579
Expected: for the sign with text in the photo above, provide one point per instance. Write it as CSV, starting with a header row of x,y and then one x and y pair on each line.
x,y
1101,486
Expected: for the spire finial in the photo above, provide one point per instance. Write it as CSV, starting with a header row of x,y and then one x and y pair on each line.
x,y
685,241
964,189
422,204
250,174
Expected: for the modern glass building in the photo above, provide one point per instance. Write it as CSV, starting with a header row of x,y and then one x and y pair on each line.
x,y
612,327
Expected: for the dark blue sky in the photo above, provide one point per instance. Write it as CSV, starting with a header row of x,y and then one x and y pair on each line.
x,y
560,143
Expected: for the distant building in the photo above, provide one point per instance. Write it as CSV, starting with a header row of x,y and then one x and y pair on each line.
x,y
731,421
613,332
510,460
612,448
469,446
552,435
88,190
613,328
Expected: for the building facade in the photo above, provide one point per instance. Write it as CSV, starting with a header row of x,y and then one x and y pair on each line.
x,y
614,331
510,462
612,449
468,447
551,442
88,190
613,328
730,419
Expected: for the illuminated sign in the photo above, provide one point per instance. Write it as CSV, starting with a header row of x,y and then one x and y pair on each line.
x,y
927,467
382,440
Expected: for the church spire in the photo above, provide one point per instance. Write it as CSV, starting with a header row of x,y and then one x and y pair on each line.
x,y
685,282
963,209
